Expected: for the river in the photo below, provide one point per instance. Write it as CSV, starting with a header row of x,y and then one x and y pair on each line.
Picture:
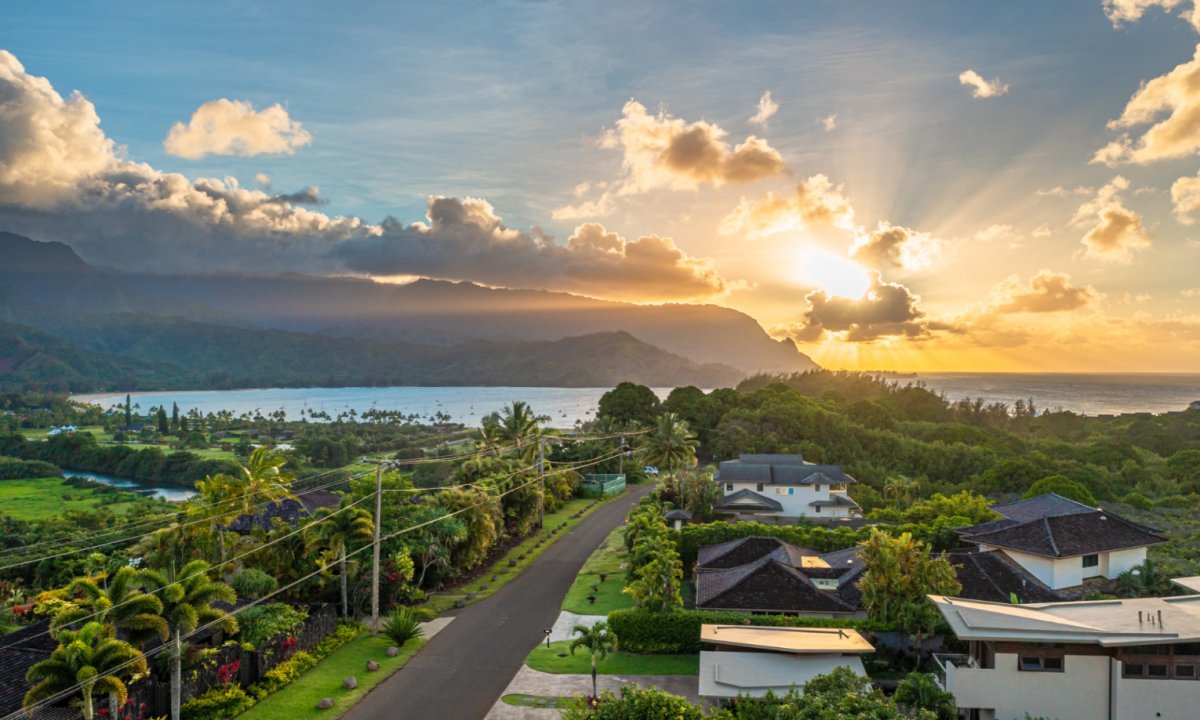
x,y
166,492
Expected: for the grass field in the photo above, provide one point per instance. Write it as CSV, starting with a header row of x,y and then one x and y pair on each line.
x,y
298,701
616,663
607,560
37,498
502,571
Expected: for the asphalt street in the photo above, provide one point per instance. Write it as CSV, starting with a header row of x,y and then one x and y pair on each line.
x,y
461,672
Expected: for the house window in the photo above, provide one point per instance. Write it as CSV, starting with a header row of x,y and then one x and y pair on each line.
x,y
818,488
1134,670
1090,561
1039,663
760,487
1185,672
1156,670
780,491
728,487
791,491
817,508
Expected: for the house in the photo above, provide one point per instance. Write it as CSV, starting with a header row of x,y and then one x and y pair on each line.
x,y
767,575
752,660
304,504
1062,543
784,486
1087,660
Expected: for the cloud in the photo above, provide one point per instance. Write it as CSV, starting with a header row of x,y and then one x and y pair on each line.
x,y
597,207
1047,292
1042,231
888,309
1115,231
993,233
980,87
893,246
767,107
665,152
829,122
234,127
1170,105
465,239
1185,198
263,180
816,201
61,179
1060,191
1130,11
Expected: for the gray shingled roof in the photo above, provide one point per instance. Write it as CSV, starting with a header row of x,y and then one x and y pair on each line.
x,y
834,501
748,501
1068,535
1049,505
996,577
765,585
750,549
780,470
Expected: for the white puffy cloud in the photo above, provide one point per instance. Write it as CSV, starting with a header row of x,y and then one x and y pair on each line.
x,y
816,201
992,233
1170,106
829,122
1185,198
893,246
886,310
465,239
767,107
1115,232
60,179
1120,12
981,87
1047,292
234,127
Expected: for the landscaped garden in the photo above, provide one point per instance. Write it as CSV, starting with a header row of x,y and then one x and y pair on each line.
x,y
558,659
599,588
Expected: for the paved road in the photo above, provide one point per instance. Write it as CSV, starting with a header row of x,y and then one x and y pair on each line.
x,y
461,672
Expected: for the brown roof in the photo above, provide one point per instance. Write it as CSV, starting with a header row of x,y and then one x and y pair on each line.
x,y
748,549
765,585
996,577
1068,535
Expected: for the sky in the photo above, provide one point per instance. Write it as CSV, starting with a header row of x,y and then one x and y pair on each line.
x,y
914,186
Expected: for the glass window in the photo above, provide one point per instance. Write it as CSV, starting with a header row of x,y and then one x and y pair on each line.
x,y
1186,649
728,487
1091,561
1030,663
817,509
818,488
1052,663
760,487
791,491
1185,671
1134,670
1156,670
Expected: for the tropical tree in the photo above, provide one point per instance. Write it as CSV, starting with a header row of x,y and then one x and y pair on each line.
x,y
515,424
670,446
659,572
263,479
330,534
188,598
900,574
120,603
1145,580
219,497
921,691
900,487
597,641
90,660
699,493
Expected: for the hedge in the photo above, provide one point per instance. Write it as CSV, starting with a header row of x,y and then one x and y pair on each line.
x,y
669,633
16,469
217,704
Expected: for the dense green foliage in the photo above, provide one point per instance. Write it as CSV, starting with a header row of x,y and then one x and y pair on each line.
x,y
13,468
217,704
259,623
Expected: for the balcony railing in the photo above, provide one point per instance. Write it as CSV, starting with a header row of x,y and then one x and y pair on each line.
x,y
948,660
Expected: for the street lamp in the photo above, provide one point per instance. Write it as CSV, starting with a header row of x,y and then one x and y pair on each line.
x,y
547,631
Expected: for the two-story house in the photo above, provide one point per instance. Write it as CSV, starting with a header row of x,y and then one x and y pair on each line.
x,y
1091,660
784,486
1063,543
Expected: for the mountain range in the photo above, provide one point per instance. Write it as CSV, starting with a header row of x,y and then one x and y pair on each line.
x,y
104,329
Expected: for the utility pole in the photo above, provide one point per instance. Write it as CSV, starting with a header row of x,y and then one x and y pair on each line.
x,y
541,466
375,561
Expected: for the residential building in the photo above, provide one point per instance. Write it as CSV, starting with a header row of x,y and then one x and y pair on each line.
x,y
785,486
1089,660
1062,543
752,660
767,575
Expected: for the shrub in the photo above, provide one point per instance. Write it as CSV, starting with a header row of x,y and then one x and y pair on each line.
x,y
1064,486
253,584
402,626
1138,500
260,623
921,690
642,631
217,704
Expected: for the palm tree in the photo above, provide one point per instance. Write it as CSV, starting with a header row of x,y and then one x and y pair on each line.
x,y
121,604
91,659
598,642
900,486
331,532
263,479
220,497
515,425
670,446
187,598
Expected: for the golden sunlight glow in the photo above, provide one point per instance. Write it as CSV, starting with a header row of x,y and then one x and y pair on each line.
x,y
837,275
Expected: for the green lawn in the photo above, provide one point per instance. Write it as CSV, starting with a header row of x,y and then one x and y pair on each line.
x,y
538,701
298,701
607,560
37,498
502,571
616,663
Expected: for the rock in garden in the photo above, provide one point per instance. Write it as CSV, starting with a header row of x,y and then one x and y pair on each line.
x,y
372,666
350,682
393,651
324,703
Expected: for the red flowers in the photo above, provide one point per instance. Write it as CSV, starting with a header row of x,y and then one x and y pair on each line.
x,y
228,672
287,644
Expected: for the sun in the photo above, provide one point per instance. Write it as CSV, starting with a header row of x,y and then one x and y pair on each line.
x,y
835,274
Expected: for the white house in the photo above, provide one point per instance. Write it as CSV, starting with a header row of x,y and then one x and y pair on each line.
x,y
1064,543
784,486
752,660
1092,660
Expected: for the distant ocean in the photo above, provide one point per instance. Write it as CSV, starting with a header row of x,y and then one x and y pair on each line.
x,y
1087,394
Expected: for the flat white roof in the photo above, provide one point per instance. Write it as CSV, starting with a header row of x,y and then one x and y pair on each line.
x,y
787,639
1188,583
729,674
1103,622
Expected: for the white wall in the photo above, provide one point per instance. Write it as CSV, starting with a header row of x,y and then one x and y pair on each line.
x,y
1069,572
795,504
1119,561
1166,699
1080,692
